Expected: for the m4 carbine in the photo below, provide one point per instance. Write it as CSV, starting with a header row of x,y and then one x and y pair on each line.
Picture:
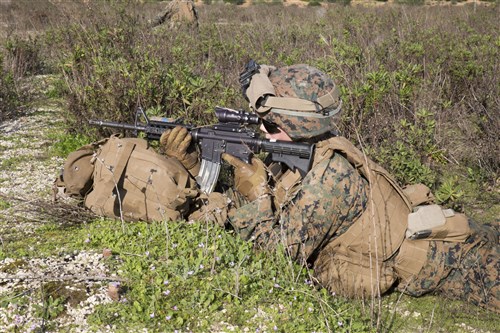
x,y
231,135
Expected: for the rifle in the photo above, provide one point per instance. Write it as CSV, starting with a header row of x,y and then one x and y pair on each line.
x,y
230,136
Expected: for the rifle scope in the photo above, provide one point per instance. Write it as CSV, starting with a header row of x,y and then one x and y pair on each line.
x,y
239,117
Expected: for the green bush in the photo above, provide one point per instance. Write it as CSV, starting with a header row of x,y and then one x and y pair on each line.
x,y
108,76
314,3
415,150
9,96
23,56
410,2
235,2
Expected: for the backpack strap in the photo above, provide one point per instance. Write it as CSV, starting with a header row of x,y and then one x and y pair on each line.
x,y
116,171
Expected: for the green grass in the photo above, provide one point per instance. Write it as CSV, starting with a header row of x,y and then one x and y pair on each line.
x,y
197,276
64,143
433,313
13,162
3,203
48,240
202,278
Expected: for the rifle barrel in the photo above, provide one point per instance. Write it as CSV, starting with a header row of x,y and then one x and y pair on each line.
x,y
113,124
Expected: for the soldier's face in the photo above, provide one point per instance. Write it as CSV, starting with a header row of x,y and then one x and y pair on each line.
x,y
280,135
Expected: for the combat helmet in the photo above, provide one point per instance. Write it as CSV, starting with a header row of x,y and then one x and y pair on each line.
x,y
300,99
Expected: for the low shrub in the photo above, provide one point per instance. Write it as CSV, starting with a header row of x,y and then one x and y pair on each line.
x,y
23,56
9,95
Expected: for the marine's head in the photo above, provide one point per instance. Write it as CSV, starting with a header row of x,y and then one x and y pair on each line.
x,y
299,99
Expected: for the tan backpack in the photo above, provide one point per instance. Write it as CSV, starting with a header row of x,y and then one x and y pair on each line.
x,y
129,180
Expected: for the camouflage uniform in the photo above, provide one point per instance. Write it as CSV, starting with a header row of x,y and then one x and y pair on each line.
x,y
303,214
330,198
468,271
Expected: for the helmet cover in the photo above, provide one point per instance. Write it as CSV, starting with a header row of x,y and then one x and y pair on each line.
x,y
307,83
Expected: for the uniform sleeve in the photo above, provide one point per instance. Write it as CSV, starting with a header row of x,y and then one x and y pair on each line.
x,y
332,195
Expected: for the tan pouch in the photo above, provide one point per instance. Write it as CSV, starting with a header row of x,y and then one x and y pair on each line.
x,y
455,229
77,175
411,258
287,187
433,222
423,219
418,194
353,277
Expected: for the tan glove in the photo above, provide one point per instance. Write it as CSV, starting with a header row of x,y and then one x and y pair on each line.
x,y
177,143
249,179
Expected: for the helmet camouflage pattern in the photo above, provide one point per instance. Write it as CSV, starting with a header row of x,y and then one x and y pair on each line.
x,y
307,83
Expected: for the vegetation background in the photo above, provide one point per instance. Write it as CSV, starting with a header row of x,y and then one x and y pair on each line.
x,y
420,85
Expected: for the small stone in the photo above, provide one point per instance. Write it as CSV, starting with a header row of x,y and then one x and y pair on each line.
x,y
114,291
106,253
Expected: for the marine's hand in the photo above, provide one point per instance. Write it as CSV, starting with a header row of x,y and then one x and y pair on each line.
x,y
249,179
177,143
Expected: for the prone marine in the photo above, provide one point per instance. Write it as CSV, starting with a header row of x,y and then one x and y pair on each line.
x,y
346,218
